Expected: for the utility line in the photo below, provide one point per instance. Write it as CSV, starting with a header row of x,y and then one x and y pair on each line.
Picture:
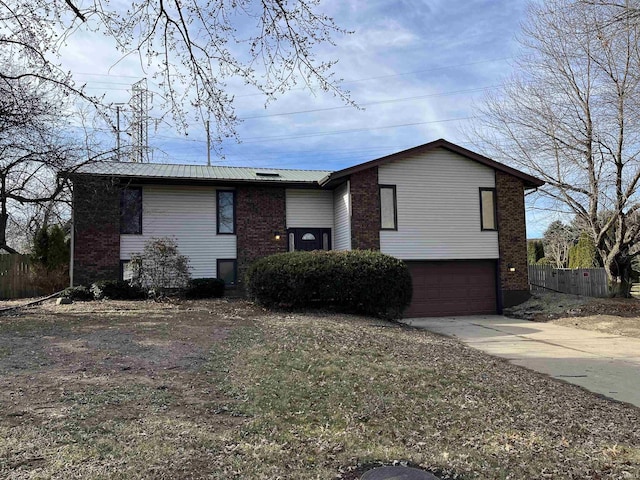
x,y
380,102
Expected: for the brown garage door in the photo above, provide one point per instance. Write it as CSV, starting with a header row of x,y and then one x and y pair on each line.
x,y
452,288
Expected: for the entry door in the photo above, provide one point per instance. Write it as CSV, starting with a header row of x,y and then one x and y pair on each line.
x,y
307,239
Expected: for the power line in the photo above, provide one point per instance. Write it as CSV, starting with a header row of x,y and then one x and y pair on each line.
x,y
353,130
380,102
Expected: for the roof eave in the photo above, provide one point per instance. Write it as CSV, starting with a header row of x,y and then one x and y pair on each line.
x,y
528,180
191,181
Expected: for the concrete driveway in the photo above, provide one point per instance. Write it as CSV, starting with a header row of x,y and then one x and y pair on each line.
x,y
600,362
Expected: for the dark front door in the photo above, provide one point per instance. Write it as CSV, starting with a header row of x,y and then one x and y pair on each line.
x,y
307,239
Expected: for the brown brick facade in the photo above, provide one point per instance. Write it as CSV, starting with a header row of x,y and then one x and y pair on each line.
x,y
260,213
365,210
512,238
96,230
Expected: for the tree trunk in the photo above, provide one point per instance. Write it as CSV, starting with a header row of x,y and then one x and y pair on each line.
x,y
619,271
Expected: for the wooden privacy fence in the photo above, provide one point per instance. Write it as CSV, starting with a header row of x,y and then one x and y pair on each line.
x,y
15,278
590,282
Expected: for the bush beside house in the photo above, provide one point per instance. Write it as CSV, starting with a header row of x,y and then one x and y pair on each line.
x,y
205,288
361,281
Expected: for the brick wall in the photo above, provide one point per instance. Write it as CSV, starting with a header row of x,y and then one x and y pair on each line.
x,y
512,238
260,212
365,210
96,229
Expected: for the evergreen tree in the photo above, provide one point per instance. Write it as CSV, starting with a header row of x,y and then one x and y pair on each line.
x,y
50,248
535,251
583,253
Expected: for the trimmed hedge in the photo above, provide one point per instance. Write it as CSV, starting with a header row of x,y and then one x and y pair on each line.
x,y
361,281
79,293
116,290
205,288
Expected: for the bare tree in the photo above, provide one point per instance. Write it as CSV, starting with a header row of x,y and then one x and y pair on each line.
x,y
558,240
35,145
191,47
571,116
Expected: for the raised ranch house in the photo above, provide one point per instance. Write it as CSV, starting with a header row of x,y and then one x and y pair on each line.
x,y
456,217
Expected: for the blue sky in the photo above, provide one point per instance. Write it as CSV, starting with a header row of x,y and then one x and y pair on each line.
x,y
416,67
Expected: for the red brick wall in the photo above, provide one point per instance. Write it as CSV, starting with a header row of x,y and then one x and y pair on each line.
x,y
96,229
512,238
260,212
365,210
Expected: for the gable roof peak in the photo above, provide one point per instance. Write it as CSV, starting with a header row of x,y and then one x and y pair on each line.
x,y
529,180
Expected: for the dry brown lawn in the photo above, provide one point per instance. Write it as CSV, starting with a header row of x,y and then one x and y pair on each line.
x,y
225,390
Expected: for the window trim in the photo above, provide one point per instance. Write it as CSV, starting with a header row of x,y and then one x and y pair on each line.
x,y
235,270
395,207
495,213
218,192
122,210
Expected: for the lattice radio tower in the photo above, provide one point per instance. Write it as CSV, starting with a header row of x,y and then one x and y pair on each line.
x,y
139,126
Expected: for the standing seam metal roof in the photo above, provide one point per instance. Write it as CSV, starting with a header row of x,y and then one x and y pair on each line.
x,y
199,172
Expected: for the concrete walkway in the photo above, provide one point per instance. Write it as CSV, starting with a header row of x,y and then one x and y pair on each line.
x,y
600,362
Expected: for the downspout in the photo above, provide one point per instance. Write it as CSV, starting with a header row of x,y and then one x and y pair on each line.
x,y
72,241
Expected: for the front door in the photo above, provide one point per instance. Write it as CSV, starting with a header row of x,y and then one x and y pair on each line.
x,y
307,239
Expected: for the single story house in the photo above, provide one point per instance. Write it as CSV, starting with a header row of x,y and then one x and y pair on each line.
x,y
455,217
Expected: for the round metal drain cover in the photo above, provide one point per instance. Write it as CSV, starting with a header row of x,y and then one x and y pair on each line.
x,y
397,473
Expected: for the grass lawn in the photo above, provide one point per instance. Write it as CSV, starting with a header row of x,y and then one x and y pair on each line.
x,y
225,390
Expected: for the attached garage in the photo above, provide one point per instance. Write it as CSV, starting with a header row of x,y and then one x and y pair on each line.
x,y
446,288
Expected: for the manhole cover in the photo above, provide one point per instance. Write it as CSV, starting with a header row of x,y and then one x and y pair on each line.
x,y
397,473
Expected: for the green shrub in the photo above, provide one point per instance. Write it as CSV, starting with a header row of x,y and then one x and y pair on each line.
x,y
116,290
205,288
79,293
361,281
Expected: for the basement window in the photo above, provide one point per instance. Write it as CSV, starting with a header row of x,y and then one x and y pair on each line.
x,y
228,271
131,210
488,209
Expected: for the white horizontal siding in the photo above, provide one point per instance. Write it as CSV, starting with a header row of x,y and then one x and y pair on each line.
x,y
438,208
342,218
309,208
188,215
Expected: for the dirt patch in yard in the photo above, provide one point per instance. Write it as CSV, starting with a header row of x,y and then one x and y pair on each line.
x,y
79,378
617,316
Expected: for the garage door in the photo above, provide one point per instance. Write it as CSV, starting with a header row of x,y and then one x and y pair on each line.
x,y
452,288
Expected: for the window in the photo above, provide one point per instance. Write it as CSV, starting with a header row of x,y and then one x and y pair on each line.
x,y
388,208
226,200
488,209
227,271
131,210
126,272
